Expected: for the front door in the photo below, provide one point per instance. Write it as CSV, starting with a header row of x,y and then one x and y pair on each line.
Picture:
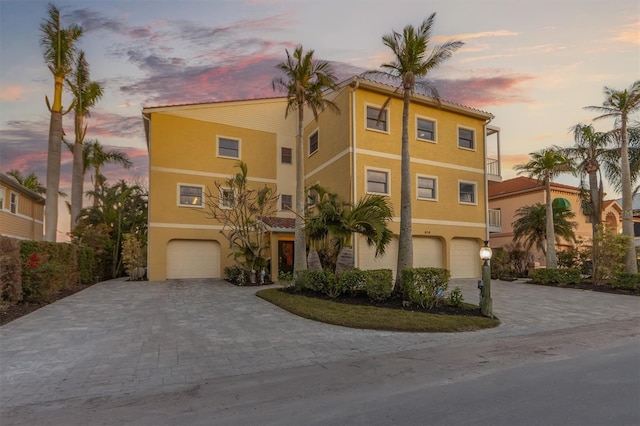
x,y
285,256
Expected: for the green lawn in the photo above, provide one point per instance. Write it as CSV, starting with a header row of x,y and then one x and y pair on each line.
x,y
372,317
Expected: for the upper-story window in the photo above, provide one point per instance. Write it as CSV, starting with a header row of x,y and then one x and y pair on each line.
x,y
377,181
286,155
227,198
427,188
13,203
313,142
466,138
228,147
286,201
467,192
190,195
377,119
426,129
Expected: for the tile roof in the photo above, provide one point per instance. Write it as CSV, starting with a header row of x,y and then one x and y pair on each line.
x,y
279,222
522,184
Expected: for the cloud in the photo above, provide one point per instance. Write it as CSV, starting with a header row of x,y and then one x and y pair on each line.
x,y
12,92
629,33
483,34
483,91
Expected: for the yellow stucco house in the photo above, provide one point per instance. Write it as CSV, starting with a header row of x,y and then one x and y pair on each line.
x,y
21,211
353,153
506,197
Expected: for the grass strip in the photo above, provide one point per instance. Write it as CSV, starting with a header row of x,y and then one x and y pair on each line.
x,y
372,317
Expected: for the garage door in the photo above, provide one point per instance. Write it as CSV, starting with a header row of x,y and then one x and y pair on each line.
x,y
465,260
427,252
193,259
367,259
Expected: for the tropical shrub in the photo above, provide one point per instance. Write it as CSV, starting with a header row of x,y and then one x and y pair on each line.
x,y
455,298
379,284
556,276
314,281
10,278
86,261
611,250
237,275
133,257
353,280
425,286
627,281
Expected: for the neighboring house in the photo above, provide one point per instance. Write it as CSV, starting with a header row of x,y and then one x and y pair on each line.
x,y
21,210
354,153
635,205
506,197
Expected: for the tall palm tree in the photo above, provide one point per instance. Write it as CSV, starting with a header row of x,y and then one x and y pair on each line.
x,y
86,94
545,165
95,156
306,82
58,44
530,225
411,61
620,104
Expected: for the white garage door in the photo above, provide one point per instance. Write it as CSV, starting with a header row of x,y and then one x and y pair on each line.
x,y
427,252
367,259
193,259
465,260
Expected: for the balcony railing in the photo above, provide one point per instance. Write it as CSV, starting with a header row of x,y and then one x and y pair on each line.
x,y
493,166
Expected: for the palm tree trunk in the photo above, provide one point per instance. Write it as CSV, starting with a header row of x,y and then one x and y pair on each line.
x,y
313,262
552,261
405,243
300,245
345,260
96,185
596,215
631,263
77,176
53,174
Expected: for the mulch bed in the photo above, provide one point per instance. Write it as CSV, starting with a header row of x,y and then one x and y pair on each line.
x,y
9,313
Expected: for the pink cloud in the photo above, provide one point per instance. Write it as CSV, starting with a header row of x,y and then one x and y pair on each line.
x,y
12,92
484,91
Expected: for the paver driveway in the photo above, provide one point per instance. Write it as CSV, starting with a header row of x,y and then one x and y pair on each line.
x,y
122,337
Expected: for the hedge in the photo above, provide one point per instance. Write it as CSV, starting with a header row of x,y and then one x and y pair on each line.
x,y
556,276
627,281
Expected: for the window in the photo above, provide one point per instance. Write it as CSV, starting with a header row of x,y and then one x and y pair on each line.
x,y
286,202
313,142
427,188
190,195
228,147
467,192
377,182
13,203
227,198
466,138
286,155
426,129
376,120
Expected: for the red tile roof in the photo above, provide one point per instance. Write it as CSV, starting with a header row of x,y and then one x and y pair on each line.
x,y
279,222
522,184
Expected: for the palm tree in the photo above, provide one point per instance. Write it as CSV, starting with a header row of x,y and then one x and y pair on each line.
x,y
30,181
86,94
94,155
411,61
620,104
59,51
306,82
530,226
544,166
334,222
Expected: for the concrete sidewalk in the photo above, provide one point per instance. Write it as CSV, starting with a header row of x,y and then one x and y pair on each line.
x,y
119,337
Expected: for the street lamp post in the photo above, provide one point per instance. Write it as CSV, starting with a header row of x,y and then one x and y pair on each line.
x,y
486,304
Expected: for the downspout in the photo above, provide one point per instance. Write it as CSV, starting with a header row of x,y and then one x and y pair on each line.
x,y
486,181
354,189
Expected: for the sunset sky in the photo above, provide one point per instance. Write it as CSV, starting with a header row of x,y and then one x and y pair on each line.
x,y
533,64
